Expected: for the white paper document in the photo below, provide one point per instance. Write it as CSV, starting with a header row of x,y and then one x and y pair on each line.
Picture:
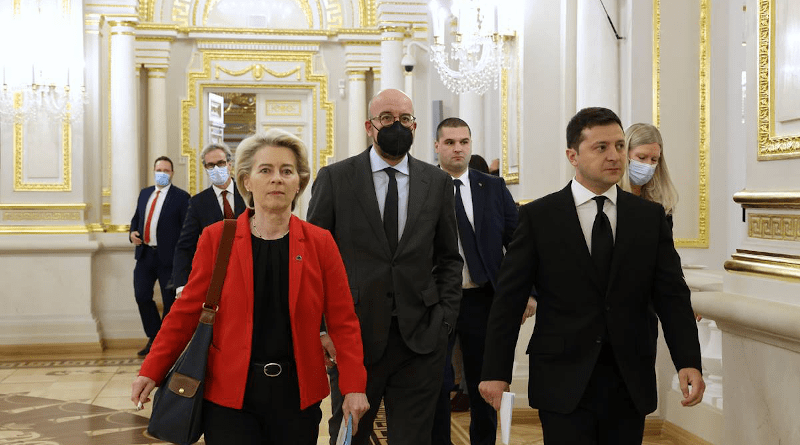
x,y
345,432
506,408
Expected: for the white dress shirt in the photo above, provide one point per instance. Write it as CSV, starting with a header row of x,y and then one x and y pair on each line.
x,y
587,209
381,181
466,198
218,191
154,222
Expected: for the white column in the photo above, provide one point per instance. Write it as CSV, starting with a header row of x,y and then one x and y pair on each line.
x,y
597,56
156,113
92,124
391,55
470,110
357,112
408,79
124,123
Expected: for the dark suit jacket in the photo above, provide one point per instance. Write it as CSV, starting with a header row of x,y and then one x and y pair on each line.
x,y
203,211
423,276
495,217
170,221
317,286
573,314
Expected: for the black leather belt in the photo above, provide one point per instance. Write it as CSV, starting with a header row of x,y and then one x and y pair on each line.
x,y
271,369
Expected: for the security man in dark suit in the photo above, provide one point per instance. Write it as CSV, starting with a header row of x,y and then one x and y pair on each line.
x,y
392,217
486,216
606,271
155,227
220,200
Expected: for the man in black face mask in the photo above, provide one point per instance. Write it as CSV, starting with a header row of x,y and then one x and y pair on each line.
x,y
392,217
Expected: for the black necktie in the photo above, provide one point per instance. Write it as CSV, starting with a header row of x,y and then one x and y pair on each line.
x,y
602,242
390,210
474,264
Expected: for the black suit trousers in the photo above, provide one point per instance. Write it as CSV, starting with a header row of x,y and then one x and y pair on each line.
x,y
150,268
606,414
407,382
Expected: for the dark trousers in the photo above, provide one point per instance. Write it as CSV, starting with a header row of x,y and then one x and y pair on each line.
x,y
441,419
409,385
149,269
270,414
473,318
606,414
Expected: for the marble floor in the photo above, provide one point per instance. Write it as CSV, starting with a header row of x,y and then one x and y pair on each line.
x,y
84,399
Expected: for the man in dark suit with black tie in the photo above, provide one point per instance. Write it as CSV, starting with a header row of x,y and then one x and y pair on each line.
x,y
606,271
393,220
220,200
155,227
487,216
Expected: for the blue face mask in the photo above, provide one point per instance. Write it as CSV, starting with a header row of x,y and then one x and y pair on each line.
x,y
640,173
162,179
218,175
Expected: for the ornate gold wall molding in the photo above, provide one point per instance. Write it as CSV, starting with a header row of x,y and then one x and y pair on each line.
x,y
19,158
768,199
774,226
198,81
765,265
770,147
704,104
257,70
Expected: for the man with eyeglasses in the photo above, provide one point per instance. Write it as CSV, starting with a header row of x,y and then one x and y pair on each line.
x,y
394,222
220,200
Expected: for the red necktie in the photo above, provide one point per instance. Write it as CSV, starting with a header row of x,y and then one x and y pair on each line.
x,y
226,206
150,218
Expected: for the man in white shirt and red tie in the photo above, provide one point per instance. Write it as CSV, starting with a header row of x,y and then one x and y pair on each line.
x,y
220,200
155,228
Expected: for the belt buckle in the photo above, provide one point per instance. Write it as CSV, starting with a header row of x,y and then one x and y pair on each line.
x,y
269,369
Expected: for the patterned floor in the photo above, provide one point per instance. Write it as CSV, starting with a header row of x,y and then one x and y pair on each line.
x,y
77,401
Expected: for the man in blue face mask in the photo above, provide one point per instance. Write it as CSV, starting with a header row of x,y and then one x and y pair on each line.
x,y
218,201
155,227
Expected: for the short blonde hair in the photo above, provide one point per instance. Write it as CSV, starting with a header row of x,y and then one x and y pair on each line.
x,y
660,188
247,149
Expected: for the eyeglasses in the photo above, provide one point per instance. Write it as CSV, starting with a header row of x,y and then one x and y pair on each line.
x,y
221,163
387,119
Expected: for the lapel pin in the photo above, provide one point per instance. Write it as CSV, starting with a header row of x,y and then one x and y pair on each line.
x,y
298,258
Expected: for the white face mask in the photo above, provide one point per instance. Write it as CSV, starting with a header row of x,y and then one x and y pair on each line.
x,y
218,175
640,173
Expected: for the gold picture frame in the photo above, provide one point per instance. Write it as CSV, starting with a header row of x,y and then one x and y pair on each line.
x,y
772,146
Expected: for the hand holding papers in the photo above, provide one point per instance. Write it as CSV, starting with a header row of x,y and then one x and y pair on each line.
x,y
506,408
345,431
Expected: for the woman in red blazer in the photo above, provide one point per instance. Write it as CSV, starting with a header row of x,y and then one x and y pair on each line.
x,y
266,374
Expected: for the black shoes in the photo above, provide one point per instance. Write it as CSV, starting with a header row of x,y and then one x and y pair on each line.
x,y
146,349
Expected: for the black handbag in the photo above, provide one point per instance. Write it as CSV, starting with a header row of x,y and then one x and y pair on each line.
x,y
178,404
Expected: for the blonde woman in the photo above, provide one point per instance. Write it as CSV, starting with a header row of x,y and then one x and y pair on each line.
x,y
647,174
266,373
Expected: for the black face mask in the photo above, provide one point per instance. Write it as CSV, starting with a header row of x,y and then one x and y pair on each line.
x,y
396,140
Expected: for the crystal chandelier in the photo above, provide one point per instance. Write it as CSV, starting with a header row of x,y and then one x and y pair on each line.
x,y
36,76
477,46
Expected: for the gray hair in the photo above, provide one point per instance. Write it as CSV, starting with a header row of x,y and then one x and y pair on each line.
x,y
215,146
272,138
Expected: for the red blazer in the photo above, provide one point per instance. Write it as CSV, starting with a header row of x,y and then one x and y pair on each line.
x,y
317,285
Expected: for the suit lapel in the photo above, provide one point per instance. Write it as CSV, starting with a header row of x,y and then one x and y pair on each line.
x,y
574,239
214,204
417,194
243,249
624,233
364,191
478,201
296,262
238,201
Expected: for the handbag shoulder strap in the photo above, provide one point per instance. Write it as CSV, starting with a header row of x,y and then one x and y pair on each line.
x,y
221,264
